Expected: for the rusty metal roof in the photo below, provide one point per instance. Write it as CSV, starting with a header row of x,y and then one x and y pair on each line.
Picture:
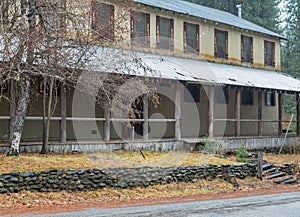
x,y
200,11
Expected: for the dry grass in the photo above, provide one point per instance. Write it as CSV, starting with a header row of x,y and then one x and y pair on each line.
x,y
36,162
29,199
280,159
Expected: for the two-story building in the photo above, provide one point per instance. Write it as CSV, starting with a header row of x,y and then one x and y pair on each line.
x,y
217,76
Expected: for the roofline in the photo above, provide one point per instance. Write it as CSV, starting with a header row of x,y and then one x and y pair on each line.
x,y
275,34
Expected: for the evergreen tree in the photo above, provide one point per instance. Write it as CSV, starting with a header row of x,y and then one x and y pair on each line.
x,y
265,13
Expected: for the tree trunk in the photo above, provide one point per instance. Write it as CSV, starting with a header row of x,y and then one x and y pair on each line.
x,y
20,116
45,146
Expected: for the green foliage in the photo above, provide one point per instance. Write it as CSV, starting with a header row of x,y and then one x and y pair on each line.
x,y
265,13
241,154
209,146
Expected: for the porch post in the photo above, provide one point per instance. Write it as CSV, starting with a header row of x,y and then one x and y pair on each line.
x,y
63,114
12,107
279,113
146,116
178,94
238,94
259,106
298,114
107,121
211,100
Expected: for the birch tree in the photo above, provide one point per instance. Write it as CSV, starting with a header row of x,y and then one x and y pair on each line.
x,y
55,41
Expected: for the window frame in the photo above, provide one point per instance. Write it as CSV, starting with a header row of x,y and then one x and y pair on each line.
x,y
267,62
243,37
246,94
146,41
270,101
192,93
109,31
217,34
187,47
158,33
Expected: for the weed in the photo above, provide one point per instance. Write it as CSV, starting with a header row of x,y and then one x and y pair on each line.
x,y
241,154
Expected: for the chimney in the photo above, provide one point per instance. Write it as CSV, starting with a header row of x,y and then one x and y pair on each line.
x,y
239,7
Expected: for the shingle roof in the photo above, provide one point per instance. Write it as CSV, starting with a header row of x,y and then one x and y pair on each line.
x,y
196,10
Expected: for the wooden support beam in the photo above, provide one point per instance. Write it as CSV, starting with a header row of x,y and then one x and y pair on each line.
x,y
238,94
280,113
63,114
146,117
210,119
178,96
298,114
12,108
259,113
107,121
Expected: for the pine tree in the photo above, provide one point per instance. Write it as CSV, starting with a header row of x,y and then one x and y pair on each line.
x,y
265,13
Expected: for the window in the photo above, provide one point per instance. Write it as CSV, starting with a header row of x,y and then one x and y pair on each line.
x,y
3,87
221,44
103,20
269,53
270,99
191,37
247,97
164,33
221,95
140,28
53,15
247,49
192,93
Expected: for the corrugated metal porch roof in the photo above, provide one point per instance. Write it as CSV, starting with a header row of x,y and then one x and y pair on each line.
x,y
174,68
219,74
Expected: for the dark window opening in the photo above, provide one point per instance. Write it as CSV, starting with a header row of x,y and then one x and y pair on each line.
x,y
103,20
247,97
270,99
4,87
191,38
221,95
165,33
136,112
247,49
221,44
192,93
269,53
140,29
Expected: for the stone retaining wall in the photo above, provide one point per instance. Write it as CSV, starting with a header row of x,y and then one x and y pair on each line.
x,y
94,179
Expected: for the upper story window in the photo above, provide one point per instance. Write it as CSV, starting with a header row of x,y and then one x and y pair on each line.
x,y
246,49
192,93
191,37
164,33
103,20
270,99
269,53
221,44
53,15
221,95
140,28
247,97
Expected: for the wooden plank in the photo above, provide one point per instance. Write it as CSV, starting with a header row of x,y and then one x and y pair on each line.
x,y
146,117
238,94
280,113
259,113
210,112
260,165
12,108
178,96
107,121
63,114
